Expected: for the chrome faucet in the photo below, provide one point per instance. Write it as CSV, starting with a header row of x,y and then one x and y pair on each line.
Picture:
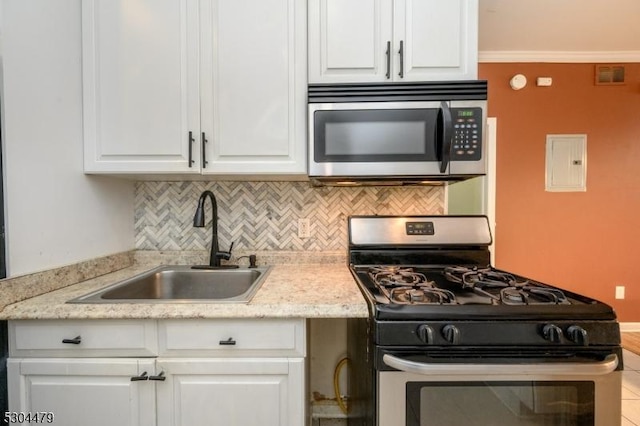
x,y
198,222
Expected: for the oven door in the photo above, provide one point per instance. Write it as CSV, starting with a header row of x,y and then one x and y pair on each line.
x,y
482,392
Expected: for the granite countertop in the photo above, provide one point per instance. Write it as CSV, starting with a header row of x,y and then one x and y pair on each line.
x,y
322,290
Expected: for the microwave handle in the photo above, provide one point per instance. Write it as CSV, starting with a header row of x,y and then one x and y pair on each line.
x,y
606,366
446,123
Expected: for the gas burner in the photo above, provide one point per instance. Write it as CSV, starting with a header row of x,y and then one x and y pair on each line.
x,y
403,285
420,295
392,276
506,288
529,295
481,277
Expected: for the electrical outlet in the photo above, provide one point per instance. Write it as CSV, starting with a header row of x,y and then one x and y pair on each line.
x,y
304,228
619,292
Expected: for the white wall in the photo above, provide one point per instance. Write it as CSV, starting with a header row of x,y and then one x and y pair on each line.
x,y
55,215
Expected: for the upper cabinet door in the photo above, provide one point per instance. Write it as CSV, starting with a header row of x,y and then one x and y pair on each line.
x,y
253,85
350,40
392,40
140,88
439,39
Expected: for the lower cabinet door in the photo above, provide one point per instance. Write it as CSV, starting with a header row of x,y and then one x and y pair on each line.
x,y
81,392
231,392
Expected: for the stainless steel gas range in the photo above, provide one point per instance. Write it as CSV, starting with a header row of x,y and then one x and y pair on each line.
x,y
453,341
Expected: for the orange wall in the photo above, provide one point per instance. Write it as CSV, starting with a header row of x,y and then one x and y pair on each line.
x,y
587,242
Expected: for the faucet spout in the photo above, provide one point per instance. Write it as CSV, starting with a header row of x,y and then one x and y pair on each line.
x,y
198,221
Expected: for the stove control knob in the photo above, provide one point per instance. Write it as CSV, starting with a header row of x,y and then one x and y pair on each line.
x,y
578,335
451,333
425,333
552,333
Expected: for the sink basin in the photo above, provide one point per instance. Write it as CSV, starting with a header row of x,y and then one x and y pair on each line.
x,y
170,284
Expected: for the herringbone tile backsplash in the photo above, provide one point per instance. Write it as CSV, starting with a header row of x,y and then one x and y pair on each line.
x,y
264,215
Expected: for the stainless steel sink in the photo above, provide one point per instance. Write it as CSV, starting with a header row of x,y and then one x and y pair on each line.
x,y
181,284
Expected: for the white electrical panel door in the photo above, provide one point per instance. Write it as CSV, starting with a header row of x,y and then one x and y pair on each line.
x,y
566,163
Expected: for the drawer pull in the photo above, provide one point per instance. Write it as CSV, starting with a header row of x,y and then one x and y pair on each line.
x,y
141,377
159,377
228,342
75,341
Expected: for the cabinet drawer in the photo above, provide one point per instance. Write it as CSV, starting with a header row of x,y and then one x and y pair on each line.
x,y
259,337
88,338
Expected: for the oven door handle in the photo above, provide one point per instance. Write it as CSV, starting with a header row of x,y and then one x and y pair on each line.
x,y
606,366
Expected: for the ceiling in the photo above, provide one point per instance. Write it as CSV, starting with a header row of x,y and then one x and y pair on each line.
x,y
546,27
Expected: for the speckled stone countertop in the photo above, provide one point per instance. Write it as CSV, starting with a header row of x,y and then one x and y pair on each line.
x,y
294,288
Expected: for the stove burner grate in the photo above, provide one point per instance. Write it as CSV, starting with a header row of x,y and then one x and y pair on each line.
x,y
390,276
403,285
506,288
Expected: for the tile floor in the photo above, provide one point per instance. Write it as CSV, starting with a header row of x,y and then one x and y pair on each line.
x,y
631,389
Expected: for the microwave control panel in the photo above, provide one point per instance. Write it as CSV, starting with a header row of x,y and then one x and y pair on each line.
x,y
467,134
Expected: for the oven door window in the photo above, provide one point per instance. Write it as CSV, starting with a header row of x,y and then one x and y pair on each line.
x,y
375,135
563,403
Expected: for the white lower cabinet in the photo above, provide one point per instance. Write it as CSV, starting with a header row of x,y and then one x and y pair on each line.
x,y
97,392
221,392
235,375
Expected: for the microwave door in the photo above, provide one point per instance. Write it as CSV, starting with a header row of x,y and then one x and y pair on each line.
x,y
377,139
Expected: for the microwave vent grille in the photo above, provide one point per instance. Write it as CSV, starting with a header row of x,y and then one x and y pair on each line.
x,y
398,92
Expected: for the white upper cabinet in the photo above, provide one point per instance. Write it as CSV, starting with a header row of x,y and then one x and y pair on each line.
x,y
254,83
392,40
350,40
187,86
140,87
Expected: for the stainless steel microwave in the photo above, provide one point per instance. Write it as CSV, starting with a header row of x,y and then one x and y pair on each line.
x,y
397,133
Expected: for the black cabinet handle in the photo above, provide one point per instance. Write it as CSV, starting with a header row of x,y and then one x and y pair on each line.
x,y
140,378
388,74
191,141
401,52
204,151
75,341
228,342
160,377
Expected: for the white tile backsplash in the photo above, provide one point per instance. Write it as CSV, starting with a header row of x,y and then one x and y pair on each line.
x,y
264,215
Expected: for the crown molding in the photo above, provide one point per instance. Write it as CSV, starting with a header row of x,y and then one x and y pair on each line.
x,y
559,56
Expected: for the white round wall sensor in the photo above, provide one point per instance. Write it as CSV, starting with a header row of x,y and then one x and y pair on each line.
x,y
518,82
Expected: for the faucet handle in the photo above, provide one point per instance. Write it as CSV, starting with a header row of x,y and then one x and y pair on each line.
x,y
226,255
